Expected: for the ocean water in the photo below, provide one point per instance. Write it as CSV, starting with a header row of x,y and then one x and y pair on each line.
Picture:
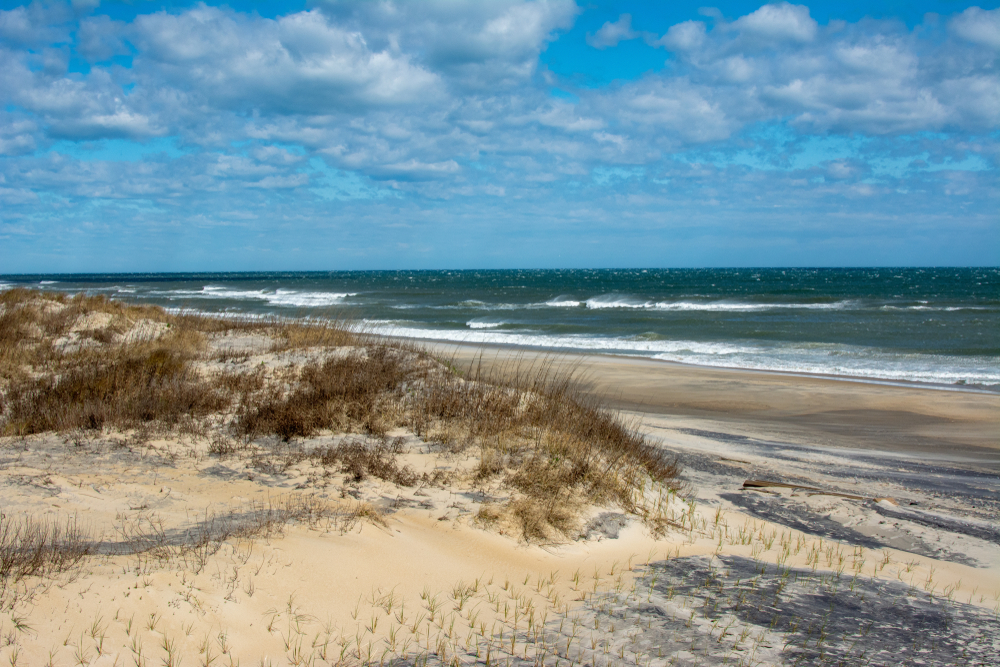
x,y
939,326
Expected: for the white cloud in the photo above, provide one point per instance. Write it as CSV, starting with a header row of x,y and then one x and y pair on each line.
x,y
72,107
778,22
610,34
685,36
978,26
281,182
676,111
415,170
296,64
474,44
566,117
99,38
35,25
866,77
17,135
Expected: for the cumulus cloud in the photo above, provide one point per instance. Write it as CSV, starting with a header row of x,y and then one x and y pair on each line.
x,y
685,36
296,64
676,111
610,34
475,44
17,135
100,38
848,79
780,22
978,26
35,25
74,108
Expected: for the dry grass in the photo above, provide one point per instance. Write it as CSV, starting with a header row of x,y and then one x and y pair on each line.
x,y
360,459
125,389
529,429
535,430
342,394
31,547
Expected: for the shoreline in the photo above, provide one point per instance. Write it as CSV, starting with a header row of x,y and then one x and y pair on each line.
x,y
826,412
807,352
564,352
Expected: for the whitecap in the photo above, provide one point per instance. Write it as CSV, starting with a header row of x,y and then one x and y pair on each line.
x,y
473,324
563,302
615,301
282,297
306,299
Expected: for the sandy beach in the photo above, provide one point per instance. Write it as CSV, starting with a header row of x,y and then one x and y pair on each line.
x,y
911,419
818,521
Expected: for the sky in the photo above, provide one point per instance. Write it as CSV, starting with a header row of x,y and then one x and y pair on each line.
x,y
151,135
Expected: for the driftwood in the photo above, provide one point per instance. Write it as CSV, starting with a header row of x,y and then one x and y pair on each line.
x,y
813,490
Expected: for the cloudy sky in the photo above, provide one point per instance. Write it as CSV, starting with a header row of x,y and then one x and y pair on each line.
x,y
334,134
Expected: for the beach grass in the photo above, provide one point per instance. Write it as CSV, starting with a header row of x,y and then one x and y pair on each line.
x,y
87,363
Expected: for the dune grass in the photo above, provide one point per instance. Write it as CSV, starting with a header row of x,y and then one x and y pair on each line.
x,y
76,363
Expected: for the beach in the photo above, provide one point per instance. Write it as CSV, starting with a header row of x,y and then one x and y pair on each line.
x,y
797,495
839,412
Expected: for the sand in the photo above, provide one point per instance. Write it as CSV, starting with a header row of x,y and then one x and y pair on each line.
x,y
917,557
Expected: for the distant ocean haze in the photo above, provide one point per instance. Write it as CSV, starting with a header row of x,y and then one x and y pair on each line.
x,y
939,326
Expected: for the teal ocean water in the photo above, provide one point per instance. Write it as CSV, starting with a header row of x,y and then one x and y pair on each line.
x,y
939,326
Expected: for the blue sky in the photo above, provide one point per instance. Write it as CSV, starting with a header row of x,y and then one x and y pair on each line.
x,y
333,134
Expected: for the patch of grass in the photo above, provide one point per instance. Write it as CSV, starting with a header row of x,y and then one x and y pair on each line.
x,y
32,547
534,429
343,394
124,389
359,459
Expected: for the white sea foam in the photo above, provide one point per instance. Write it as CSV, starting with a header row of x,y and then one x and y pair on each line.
x,y
618,301
473,324
281,297
729,306
601,302
47,282
561,302
307,299
818,358
939,309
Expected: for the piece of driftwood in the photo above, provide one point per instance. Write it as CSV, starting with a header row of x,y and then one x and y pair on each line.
x,y
813,490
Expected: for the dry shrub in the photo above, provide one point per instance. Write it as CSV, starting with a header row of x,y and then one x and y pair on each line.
x,y
31,547
341,394
134,385
541,519
241,383
359,459
535,429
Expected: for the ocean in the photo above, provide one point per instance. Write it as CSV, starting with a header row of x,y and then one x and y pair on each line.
x,y
936,326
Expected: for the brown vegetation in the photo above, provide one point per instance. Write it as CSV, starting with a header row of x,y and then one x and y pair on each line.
x,y
69,363
31,547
